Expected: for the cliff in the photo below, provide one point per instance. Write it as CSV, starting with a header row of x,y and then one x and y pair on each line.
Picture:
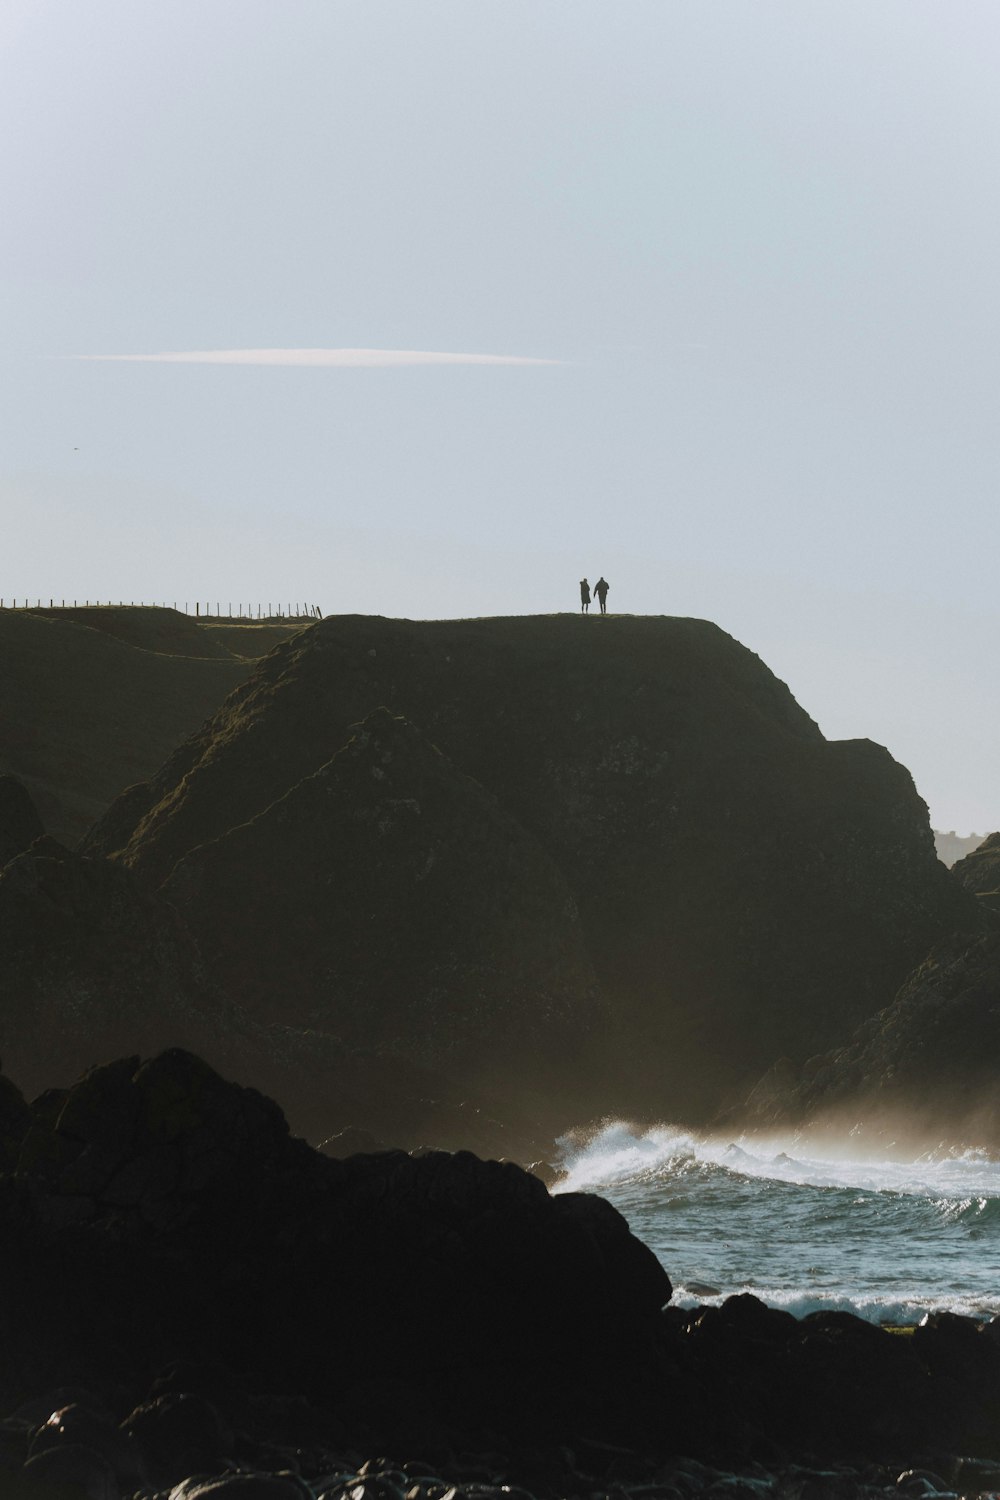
x,y
926,1065
615,842
91,964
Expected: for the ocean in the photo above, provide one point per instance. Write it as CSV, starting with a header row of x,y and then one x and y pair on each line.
x,y
803,1228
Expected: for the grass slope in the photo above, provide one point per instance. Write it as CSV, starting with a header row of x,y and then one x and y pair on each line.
x,y
88,709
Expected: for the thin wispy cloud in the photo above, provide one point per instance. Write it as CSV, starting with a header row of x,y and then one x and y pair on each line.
x,y
354,359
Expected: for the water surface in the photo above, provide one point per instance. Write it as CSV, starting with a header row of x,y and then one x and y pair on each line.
x,y
886,1239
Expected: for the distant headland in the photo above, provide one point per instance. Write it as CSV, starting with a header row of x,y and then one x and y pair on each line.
x,y
556,870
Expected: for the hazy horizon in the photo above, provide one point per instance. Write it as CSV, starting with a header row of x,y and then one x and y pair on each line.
x,y
430,311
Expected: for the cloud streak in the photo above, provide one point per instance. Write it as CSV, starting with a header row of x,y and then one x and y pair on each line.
x,y
344,359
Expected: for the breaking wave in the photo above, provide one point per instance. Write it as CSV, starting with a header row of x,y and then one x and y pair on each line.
x,y
804,1227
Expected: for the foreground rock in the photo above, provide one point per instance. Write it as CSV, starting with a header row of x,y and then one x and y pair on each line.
x,y
202,1300
741,887
158,1213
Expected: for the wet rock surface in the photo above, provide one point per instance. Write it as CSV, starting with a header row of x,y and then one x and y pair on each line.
x,y
206,1306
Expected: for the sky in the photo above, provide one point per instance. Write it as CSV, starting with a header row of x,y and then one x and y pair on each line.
x,y
429,308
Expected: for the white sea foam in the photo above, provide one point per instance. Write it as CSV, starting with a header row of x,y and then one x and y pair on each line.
x,y
621,1151
898,1311
804,1226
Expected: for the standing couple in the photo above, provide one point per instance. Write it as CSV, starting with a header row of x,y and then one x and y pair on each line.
x,y
600,589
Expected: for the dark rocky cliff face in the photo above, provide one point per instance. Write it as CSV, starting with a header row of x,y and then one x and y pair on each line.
x,y
654,812
389,893
89,960
928,1064
926,1067
91,963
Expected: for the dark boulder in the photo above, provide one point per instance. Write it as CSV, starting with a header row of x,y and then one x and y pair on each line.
x,y
80,1425
243,1487
163,1215
69,1472
179,1435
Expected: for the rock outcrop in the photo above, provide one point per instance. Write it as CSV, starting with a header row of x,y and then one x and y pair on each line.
x,y
740,887
926,1067
159,1213
928,1064
198,1293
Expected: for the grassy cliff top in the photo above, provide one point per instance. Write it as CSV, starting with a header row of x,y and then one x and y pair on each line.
x,y
95,699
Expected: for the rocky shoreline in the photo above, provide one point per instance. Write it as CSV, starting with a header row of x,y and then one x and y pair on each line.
x,y
206,1306
79,1449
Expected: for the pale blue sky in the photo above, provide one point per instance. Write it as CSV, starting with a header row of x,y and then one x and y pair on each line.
x,y
757,239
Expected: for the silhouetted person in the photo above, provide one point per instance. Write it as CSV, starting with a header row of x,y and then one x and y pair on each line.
x,y
601,590
584,596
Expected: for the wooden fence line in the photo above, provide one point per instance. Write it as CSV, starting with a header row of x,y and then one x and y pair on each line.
x,y
243,611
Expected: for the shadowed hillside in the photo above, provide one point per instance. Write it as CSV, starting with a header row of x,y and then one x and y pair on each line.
x,y
929,1063
93,700
743,888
